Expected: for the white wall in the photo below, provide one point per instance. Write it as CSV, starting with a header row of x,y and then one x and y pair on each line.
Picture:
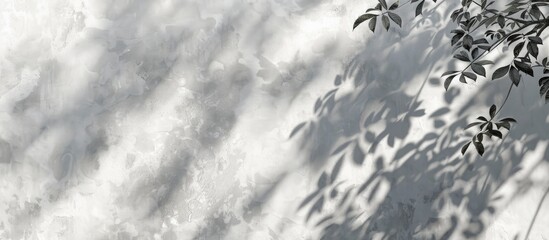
x,y
170,120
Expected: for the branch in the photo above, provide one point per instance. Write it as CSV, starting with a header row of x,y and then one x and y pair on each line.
x,y
495,45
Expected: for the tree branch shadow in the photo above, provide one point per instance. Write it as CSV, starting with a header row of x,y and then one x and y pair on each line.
x,y
411,181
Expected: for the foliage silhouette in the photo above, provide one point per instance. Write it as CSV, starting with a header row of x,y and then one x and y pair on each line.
x,y
413,186
482,27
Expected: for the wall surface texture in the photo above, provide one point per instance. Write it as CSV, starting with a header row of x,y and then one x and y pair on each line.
x,y
170,119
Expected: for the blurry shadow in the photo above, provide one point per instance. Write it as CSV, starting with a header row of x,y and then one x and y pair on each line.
x,y
536,214
142,60
76,120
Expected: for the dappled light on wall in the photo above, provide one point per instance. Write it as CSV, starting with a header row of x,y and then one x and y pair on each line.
x,y
276,119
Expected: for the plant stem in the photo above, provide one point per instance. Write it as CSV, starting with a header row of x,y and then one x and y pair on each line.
x,y
504,101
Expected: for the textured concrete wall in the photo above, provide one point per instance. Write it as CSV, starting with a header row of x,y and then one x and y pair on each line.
x,y
169,119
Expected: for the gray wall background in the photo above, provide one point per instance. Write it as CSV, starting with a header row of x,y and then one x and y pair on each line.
x,y
170,119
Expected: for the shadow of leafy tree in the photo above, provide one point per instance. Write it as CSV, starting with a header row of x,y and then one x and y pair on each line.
x,y
388,145
140,62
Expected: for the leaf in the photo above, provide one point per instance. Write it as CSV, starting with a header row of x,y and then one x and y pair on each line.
x,y
523,67
440,112
514,75
322,180
419,8
535,39
505,125
331,92
316,207
380,164
493,110
337,81
297,128
501,21
385,22
485,47
482,119
478,69
448,81
395,19
467,41
450,72
470,75
358,155
372,24
318,104
543,81
518,48
543,89
479,147
371,10
383,4
462,58
464,148
369,136
345,197
500,72
417,113
308,199
514,37
363,18
480,41
456,38
474,53
378,7
496,133
336,169
508,120
455,14
533,49
341,148
535,12
394,6
333,193
462,78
